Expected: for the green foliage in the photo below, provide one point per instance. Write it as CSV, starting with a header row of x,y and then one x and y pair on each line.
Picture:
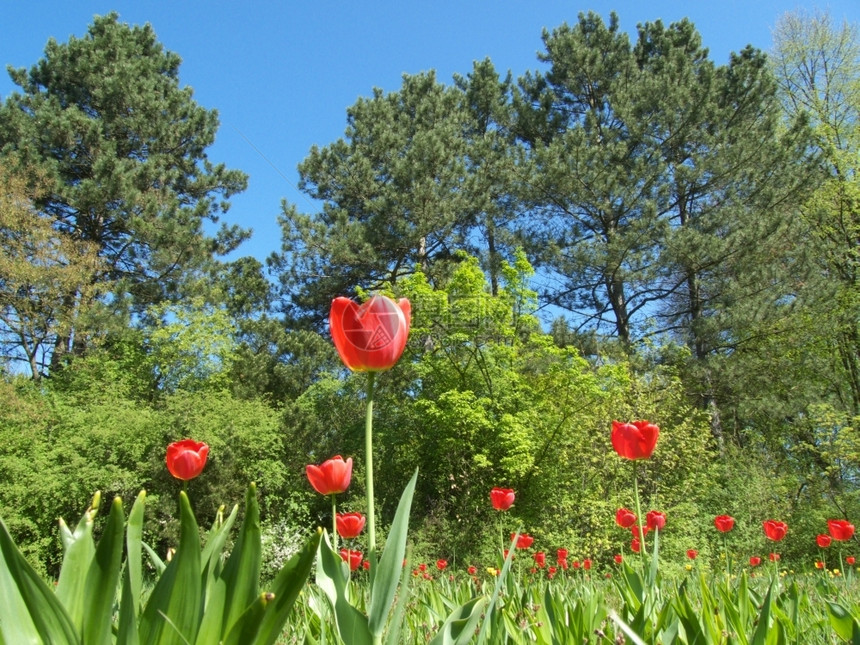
x,y
199,597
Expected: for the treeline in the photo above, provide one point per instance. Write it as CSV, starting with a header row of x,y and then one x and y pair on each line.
x,y
694,227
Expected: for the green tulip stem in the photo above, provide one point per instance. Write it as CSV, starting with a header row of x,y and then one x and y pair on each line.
x,y
643,550
728,560
368,449
334,521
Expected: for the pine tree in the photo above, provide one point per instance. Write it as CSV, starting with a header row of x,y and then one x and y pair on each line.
x,y
123,148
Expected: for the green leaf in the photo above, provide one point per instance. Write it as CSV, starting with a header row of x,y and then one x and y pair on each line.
x,y
156,561
396,624
843,623
172,614
242,571
351,623
290,581
459,627
390,566
79,550
133,541
246,627
29,612
126,633
102,579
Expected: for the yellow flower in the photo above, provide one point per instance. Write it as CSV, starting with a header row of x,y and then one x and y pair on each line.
x,y
492,571
688,567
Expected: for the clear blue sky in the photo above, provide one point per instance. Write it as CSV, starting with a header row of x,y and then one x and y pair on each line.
x,y
282,73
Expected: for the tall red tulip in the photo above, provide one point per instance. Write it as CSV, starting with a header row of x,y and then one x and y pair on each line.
x,y
823,540
775,530
540,559
625,518
655,520
350,525
370,337
441,564
840,530
634,440
332,476
561,554
186,458
502,498
724,523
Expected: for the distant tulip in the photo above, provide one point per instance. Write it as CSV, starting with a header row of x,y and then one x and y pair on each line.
x,y
353,558
774,557
619,558
635,545
524,541
755,561
819,564
823,540
850,560
586,564
692,554
634,440
774,530
655,520
561,554
540,559
840,530
186,458
472,570
350,525
502,498
370,337
724,523
365,565
441,564
332,476
637,533
625,518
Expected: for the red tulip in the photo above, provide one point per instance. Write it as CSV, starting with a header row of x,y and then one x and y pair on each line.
x,y
540,559
524,541
441,564
370,337
655,520
755,561
351,557
472,570
635,545
819,564
724,523
332,476
637,533
586,564
692,554
634,440
774,557
502,498
422,567
823,540
350,525
625,518
561,554
186,458
562,562
840,530
576,564
775,530
850,560
619,558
